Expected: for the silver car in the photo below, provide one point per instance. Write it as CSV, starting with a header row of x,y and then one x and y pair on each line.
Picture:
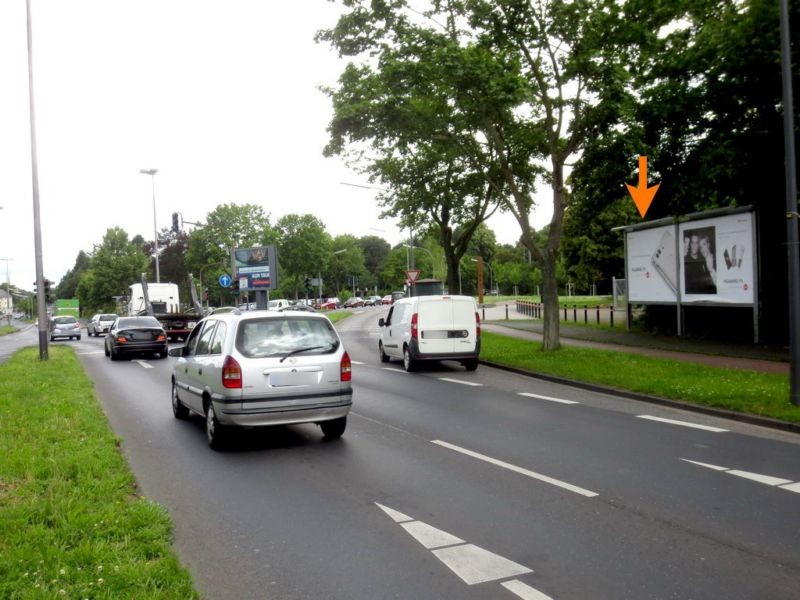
x,y
256,368
100,323
65,327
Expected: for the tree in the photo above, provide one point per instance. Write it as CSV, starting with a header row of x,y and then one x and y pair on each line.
x,y
69,282
375,249
404,111
115,264
304,248
346,261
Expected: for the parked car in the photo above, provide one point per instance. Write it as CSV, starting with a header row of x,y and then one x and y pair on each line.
x,y
262,368
354,302
372,301
100,323
64,327
330,304
431,328
136,335
397,296
387,299
277,304
298,308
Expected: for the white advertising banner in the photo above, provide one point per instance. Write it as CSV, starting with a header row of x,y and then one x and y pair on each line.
x,y
652,265
718,260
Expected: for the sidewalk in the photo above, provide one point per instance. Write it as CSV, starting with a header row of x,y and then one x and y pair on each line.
x,y
745,357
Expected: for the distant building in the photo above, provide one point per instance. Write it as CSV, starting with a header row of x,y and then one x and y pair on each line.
x,y
6,302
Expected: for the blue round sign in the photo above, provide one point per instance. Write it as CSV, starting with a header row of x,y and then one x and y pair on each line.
x,y
225,280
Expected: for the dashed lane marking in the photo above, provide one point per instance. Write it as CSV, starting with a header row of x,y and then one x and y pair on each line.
x,y
520,470
471,563
355,362
461,382
390,369
784,484
525,592
682,423
144,364
548,398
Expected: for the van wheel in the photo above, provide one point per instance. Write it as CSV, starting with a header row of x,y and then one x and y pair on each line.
x,y
409,364
334,429
179,410
384,356
471,364
216,433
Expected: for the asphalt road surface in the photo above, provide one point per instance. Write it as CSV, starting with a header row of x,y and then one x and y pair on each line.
x,y
451,484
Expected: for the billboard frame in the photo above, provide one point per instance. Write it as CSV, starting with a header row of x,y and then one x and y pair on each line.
x,y
677,223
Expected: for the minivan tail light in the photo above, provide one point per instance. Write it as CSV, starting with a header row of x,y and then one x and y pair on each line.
x,y
231,373
414,327
477,325
346,368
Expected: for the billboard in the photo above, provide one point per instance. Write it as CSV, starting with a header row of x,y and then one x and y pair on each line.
x,y
651,264
717,260
696,260
256,267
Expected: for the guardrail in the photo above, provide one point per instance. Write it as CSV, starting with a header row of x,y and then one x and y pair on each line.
x,y
535,310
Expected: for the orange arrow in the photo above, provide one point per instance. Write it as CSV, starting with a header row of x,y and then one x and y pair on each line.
x,y
643,195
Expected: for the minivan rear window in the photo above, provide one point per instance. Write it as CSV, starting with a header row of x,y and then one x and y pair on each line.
x,y
258,338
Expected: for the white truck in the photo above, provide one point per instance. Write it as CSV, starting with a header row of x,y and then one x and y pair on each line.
x,y
164,304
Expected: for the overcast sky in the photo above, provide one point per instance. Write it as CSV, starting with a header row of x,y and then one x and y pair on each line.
x,y
219,95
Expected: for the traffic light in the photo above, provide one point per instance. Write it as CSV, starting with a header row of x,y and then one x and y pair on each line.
x,y
307,283
48,291
175,224
234,287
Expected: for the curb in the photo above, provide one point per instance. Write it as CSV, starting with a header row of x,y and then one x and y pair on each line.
x,y
707,410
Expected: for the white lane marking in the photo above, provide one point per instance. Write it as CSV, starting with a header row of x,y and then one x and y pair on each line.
x,y
429,536
88,353
551,399
471,563
396,516
715,467
525,592
394,370
784,484
355,362
682,423
520,470
794,487
476,565
461,382
765,479
144,364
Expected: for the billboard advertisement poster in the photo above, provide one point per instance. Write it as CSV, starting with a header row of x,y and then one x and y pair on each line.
x,y
717,260
652,265
257,266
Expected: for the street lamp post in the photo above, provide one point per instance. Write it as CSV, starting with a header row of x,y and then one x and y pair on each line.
x,y
152,173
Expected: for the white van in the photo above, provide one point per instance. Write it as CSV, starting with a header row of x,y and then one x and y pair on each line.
x,y
431,328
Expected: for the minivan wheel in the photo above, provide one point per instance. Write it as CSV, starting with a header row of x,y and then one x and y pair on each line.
x,y
471,364
215,431
409,364
384,356
178,409
334,429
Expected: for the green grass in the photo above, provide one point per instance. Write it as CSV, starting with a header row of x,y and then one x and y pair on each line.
x,y
338,315
6,329
765,394
71,522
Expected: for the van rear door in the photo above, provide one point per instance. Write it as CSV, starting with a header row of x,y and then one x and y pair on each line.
x,y
464,310
434,324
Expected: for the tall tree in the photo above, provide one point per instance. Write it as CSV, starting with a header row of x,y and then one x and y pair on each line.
x,y
116,263
304,248
69,282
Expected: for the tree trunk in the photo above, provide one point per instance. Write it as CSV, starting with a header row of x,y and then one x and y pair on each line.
x,y
551,335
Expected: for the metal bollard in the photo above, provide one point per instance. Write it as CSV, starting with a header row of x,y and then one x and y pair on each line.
x,y
506,312
611,314
598,314
585,314
574,313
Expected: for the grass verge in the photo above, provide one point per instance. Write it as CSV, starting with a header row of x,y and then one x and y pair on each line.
x,y
71,522
338,315
6,329
763,394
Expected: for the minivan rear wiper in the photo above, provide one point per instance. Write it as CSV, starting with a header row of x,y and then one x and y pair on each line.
x,y
301,350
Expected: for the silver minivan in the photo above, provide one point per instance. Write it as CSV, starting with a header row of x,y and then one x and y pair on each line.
x,y
262,368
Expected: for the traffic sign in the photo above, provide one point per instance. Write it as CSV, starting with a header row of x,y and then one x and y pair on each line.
x,y
412,274
225,280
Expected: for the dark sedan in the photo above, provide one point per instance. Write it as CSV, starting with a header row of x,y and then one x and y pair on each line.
x,y
136,335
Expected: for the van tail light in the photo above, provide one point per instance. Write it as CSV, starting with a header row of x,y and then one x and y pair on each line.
x,y
231,373
477,325
414,327
346,368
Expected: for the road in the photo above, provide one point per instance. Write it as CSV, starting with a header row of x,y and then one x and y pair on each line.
x,y
450,484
